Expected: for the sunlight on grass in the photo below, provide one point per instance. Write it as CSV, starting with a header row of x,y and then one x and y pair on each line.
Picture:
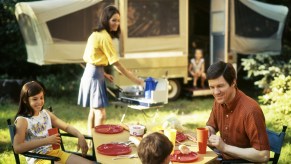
x,y
285,152
80,125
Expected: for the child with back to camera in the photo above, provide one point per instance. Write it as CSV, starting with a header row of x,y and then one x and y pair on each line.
x,y
155,149
197,68
32,125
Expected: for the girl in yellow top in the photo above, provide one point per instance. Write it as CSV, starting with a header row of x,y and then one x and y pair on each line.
x,y
100,52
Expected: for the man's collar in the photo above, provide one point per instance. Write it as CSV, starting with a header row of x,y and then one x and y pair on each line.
x,y
231,105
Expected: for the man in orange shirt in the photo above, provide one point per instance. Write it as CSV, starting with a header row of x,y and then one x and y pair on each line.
x,y
237,117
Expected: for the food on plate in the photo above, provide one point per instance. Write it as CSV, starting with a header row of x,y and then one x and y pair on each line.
x,y
184,149
178,156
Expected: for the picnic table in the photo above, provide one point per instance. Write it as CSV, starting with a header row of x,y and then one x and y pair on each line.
x,y
99,139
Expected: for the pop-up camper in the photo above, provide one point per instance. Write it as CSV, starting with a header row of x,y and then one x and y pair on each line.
x,y
155,34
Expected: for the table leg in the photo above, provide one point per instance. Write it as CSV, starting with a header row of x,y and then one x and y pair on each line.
x,y
155,116
123,116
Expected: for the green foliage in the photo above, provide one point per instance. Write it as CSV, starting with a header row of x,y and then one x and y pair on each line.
x,y
278,100
264,67
61,79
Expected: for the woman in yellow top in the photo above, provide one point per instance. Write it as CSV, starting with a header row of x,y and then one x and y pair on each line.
x,y
100,52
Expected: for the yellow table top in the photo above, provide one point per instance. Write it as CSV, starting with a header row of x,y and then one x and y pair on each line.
x,y
99,139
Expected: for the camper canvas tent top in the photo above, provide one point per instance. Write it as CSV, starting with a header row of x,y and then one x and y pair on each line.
x,y
34,19
256,27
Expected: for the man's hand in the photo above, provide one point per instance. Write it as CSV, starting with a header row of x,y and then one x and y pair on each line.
x,y
217,142
250,154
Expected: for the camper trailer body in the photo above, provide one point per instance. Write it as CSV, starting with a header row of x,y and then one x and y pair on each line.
x,y
154,38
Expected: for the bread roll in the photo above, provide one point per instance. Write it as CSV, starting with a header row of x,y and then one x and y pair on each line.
x,y
184,149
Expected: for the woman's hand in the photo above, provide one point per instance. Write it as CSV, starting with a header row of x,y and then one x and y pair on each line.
x,y
141,82
83,145
127,73
108,76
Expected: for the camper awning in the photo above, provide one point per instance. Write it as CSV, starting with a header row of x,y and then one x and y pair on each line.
x,y
52,32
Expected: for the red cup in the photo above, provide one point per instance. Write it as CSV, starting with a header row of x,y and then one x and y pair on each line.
x,y
202,137
53,131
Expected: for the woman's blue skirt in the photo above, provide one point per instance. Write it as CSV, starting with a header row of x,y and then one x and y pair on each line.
x,y
92,92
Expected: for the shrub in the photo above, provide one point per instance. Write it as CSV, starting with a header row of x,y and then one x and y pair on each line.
x,y
278,100
265,67
61,80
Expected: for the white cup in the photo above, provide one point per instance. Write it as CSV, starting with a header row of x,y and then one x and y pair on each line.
x,y
136,130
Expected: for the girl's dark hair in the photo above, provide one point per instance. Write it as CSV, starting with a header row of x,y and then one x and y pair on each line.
x,y
154,148
106,15
29,89
221,68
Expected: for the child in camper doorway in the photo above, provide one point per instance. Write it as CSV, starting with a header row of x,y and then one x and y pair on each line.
x,y
197,68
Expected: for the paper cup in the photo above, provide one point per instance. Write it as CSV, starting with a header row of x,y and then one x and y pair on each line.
x,y
202,137
53,131
136,130
171,134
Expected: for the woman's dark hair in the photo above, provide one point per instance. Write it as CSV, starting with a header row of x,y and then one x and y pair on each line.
x,y
106,15
154,148
29,89
222,69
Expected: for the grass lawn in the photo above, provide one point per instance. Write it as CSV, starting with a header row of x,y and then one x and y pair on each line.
x,y
191,112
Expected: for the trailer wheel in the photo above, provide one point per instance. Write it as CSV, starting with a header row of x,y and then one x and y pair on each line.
x,y
174,89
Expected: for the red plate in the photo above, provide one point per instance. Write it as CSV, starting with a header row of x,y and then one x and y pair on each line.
x,y
180,137
108,129
180,157
113,149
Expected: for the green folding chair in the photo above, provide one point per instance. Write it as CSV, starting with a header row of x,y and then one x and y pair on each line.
x,y
12,130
